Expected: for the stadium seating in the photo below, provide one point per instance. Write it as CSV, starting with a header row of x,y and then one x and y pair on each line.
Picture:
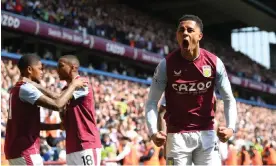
x,y
120,112
122,24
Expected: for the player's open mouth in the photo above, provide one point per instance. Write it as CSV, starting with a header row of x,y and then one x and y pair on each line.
x,y
185,44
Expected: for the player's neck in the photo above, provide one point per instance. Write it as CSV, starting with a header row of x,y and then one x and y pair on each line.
x,y
190,55
21,77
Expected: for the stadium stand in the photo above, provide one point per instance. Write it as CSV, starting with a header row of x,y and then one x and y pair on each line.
x,y
120,99
120,113
134,28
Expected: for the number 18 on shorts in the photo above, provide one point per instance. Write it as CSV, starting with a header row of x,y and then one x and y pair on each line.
x,y
85,157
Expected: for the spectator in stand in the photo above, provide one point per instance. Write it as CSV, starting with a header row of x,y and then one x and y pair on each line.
x,y
109,149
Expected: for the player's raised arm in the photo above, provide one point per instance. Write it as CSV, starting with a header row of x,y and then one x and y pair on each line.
x,y
224,87
59,103
45,91
157,87
29,93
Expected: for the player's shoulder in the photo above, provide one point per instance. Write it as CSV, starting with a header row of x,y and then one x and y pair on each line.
x,y
210,57
29,93
27,89
85,91
25,86
17,85
207,53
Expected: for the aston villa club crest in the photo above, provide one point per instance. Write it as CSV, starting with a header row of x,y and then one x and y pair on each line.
x,y
206,71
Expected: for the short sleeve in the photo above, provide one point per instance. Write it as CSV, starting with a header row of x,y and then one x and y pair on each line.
x,y
29,93
81,92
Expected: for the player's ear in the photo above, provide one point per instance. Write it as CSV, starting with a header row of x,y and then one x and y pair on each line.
x,y
29,69
200,35
75,68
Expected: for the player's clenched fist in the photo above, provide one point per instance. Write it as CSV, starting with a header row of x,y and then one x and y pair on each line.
x,y
159,138
224,134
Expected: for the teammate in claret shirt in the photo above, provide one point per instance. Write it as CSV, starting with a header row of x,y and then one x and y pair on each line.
x,y
83,145
189,76
22,143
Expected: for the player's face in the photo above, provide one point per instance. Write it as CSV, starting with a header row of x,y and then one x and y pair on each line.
x,y
36,72
188,35
64,69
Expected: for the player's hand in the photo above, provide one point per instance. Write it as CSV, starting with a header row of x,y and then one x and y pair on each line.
x,y
159,138
79,83
224,134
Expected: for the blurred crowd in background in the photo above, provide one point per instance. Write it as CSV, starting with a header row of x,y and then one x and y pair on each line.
x,y
119,103
123,24
120,114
